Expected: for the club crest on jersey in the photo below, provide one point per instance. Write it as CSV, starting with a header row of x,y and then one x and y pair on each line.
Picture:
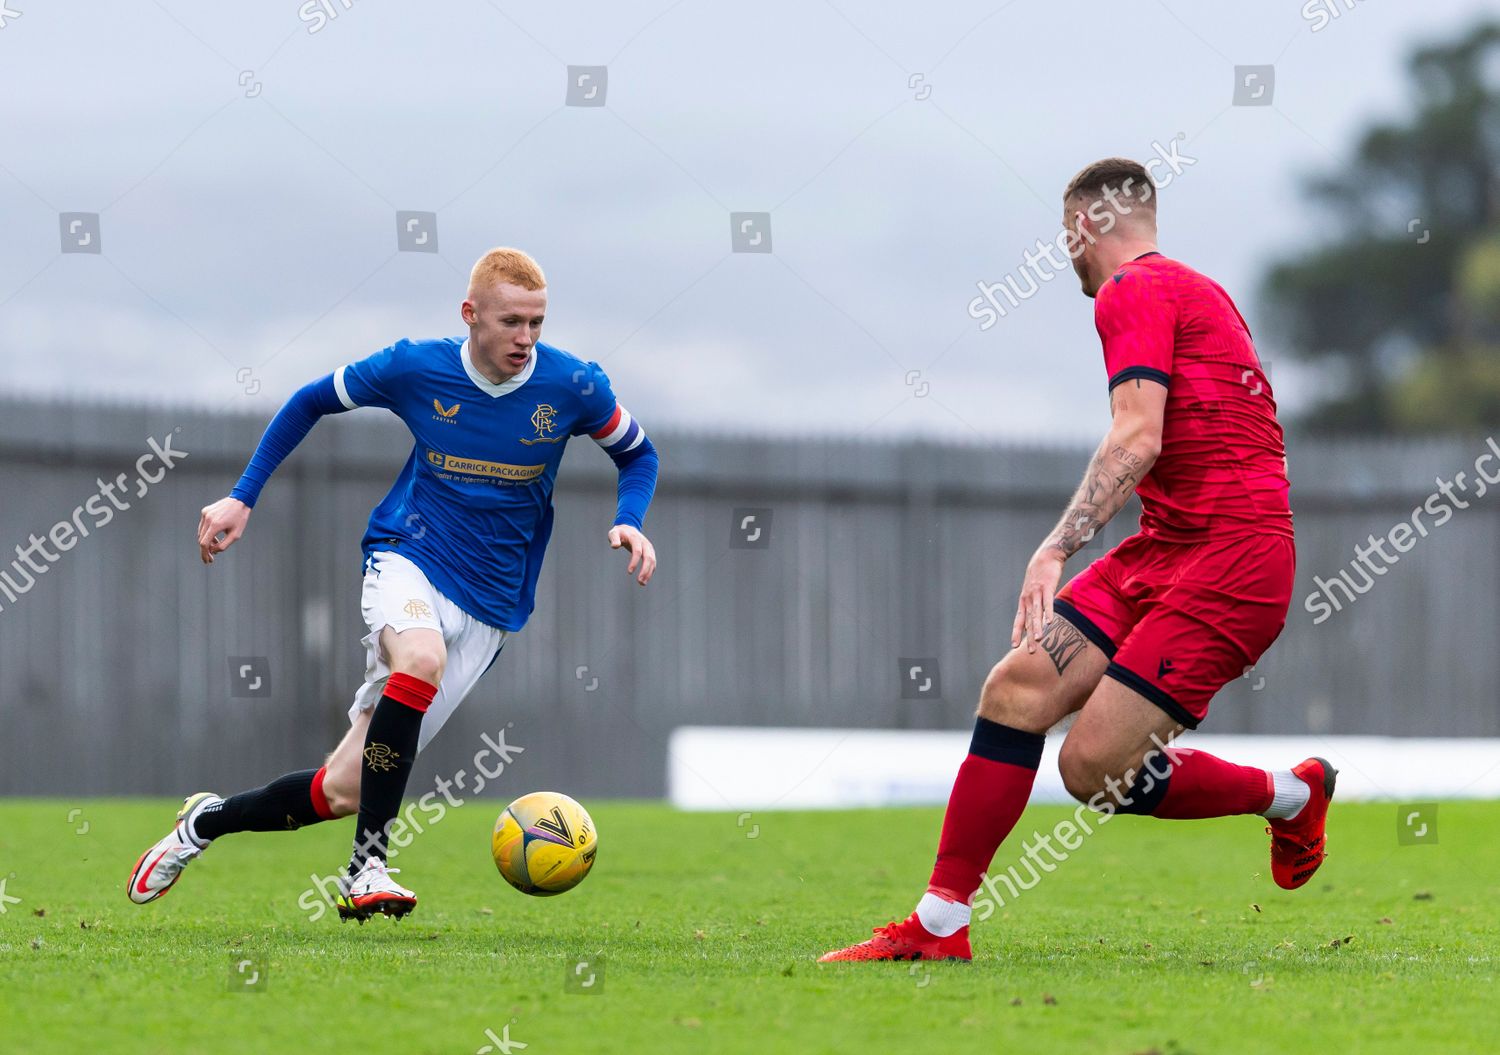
x,y
544,420
448,414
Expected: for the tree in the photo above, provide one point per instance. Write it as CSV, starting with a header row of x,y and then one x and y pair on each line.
x,y
1401,304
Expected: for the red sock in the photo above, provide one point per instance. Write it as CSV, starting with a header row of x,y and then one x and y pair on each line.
x,y
1201,786
319,800
988,796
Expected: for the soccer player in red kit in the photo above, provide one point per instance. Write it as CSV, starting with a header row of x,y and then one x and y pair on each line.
x,y
1140,640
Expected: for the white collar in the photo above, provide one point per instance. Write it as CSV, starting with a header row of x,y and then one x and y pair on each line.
x,y
489,387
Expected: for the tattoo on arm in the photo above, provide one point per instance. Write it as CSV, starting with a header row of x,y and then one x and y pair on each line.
x,y
1128,468
1062,642
1107,485
1112,395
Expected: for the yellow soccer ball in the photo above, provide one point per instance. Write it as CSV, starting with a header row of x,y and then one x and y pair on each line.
x,y
544,843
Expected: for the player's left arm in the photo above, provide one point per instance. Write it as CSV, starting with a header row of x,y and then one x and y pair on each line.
x,y
634,455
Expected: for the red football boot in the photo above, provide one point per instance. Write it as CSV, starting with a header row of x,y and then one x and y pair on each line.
x,y
907,940
1298,845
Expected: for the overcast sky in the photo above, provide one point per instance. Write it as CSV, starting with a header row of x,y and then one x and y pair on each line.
x,y
247,166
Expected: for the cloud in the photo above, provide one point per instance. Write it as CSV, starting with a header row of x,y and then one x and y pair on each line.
x,y
258,232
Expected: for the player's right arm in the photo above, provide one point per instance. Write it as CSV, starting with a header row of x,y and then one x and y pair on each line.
x,y
368,383
1137,327
221,524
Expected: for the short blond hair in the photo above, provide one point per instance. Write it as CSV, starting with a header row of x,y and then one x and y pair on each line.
x,y
514,266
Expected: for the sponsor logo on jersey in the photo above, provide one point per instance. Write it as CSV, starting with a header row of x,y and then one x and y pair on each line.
x,y
544,421
445,414
491,470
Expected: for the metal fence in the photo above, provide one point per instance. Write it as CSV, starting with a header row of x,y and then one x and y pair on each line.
x,y
121,662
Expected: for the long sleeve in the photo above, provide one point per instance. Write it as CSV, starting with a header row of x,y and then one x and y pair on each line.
x,y
287,429
638,469
620,436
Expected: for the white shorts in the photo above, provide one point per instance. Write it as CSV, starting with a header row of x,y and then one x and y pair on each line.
x,y
397,595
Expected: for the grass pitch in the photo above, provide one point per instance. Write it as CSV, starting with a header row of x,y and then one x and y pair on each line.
x,y
700,933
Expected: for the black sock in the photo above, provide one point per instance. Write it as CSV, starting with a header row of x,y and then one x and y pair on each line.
x,y
390,750
1148,789
285,804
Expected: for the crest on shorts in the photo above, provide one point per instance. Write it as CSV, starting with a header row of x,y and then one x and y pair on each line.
x,y
417,609
380,758
544,420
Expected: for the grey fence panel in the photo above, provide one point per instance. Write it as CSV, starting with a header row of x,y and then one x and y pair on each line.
x,y
115,662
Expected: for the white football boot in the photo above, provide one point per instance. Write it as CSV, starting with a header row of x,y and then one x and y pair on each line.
x,y
158,868
372,890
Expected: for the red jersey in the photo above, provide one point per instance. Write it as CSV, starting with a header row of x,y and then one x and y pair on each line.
x,y
1222,468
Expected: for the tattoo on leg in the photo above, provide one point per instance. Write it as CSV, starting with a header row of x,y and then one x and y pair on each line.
x,y
1062,642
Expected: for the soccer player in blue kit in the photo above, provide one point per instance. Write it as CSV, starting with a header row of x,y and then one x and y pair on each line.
x,y
452,556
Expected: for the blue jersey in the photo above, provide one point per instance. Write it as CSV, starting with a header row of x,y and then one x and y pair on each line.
x,y
472,507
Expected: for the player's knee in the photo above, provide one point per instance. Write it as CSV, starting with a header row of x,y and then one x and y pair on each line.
x,y
1011,698
341,788
1084,770
423,663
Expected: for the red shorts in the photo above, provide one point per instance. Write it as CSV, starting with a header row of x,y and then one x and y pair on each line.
x,y
1179,621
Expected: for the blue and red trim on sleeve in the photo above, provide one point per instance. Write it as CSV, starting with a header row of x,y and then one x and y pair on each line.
x,y
620,433
626,443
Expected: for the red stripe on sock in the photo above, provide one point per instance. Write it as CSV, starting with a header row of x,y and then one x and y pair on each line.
x,y
986,802
1205,786
414,692
319,800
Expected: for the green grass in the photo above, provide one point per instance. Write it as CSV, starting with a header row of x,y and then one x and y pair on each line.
x,y
1154,936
